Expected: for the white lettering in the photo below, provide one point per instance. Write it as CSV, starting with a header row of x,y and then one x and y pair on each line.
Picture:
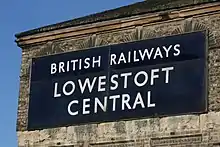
x,y
68,66
138,100
125,101
158,53
96,61
69,107
114,82
145,79
101,83
146,52
135,57
53,68
80,64
86,106
113,57
167,69
55,91
114,97
87,63
150,54
125,75
129,57
153,76
102,106
74,64
167,50
72,86
87,83
176,48
148,100
61,67
121,58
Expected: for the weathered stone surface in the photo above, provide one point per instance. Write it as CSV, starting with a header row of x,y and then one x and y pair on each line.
x,y
85,132
162,29
45,137
145,127
114,37
105,131
177,140
72,44
210,121
214,80
179,123
211,22
28,138
71,135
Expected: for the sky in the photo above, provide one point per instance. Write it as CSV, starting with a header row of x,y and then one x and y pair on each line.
x,y
21,15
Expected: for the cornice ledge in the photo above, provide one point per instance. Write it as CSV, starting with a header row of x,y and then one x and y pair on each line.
x,y
123,23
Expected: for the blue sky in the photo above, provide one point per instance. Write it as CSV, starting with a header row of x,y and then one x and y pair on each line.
x,y
20,15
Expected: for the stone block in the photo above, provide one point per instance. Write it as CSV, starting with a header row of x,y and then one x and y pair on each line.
x,y
28,138
179,123
210,120
106,132
71,136
144,127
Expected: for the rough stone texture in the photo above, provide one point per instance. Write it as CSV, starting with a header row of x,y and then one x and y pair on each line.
x,y
114,37
184,130
201,130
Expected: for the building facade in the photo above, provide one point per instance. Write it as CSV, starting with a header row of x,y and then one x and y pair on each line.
x,y
143,20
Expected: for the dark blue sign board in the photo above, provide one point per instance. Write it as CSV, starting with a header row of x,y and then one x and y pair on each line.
x,y
147,78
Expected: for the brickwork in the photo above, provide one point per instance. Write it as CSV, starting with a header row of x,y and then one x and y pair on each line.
x,y
196,130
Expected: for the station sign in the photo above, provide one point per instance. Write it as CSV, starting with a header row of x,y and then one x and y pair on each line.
x,y
147,78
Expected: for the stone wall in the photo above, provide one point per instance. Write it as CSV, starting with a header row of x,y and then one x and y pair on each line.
x,y
185,130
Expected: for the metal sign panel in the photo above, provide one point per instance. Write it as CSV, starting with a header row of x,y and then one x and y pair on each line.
x,y
147,78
